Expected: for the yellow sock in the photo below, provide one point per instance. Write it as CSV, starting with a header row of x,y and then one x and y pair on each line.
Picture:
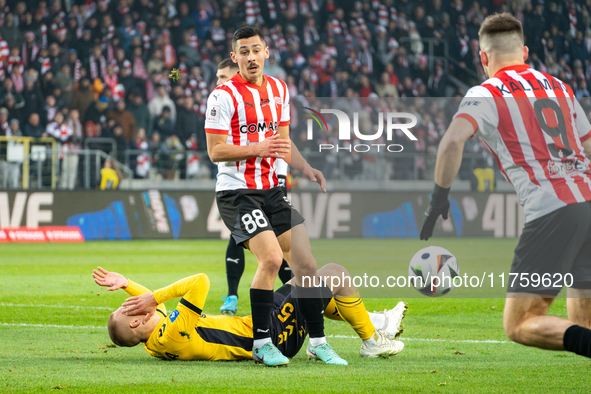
x,y
353,311
331,311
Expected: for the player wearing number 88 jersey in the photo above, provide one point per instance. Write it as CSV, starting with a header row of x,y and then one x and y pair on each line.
x,y
541,140
247,126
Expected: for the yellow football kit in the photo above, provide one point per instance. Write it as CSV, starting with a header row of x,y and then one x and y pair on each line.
x,y
189,334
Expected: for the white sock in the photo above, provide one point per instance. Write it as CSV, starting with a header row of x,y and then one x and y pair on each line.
x,y
370,341
317,341
378,320
257,343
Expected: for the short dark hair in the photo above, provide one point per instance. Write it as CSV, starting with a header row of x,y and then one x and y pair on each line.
x,y
499,24
247,32
227,62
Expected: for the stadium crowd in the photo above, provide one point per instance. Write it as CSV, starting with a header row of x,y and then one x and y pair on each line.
x,y
77,69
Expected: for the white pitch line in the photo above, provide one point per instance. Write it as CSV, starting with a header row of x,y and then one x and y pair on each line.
x,y
428,339
46,325
328,336
55,306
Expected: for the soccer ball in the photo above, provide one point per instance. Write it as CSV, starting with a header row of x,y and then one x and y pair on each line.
x,y
432,270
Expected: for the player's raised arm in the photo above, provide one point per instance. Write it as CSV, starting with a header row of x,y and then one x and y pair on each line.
x,y
449,158
297,161
192,289
115,281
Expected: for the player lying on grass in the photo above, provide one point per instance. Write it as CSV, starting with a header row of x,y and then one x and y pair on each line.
x,y
189,334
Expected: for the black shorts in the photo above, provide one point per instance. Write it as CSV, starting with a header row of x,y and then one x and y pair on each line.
x,y
556,246
288,328
248,212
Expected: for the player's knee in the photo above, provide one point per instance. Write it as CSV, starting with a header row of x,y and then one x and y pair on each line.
x,y
336,270
272,262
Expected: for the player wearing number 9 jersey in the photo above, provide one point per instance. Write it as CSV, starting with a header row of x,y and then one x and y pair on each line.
x,y
540,137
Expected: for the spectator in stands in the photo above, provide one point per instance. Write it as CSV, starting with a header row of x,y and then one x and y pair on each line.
x,y
188,121
10,31
33,127
110,175
385,88
13,111
99,109
8,87
123,117
161,100
15,129
140,112
32,97
164,125
4,125
65,82
82,98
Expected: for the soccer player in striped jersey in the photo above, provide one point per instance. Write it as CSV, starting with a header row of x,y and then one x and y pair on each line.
x,y
235,253
540,137
247,127
189,334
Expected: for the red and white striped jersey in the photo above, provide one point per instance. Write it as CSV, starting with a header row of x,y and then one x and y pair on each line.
x,y
534,127
247,114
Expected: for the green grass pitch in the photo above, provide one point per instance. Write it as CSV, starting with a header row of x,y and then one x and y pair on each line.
x,y
53,335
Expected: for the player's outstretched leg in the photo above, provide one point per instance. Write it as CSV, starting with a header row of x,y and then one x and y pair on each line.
x,y
268,253
234,271
348,306
310,302
525,321
390,320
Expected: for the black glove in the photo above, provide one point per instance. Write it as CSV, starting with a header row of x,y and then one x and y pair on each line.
x,y
439,205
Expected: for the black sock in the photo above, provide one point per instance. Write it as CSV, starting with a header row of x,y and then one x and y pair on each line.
x,y
234,266
284,272
311,307
261,304
577,339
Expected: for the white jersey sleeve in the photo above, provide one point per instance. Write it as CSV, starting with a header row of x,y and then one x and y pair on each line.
x,y
583,125
220,109
281,167
478,107
284,121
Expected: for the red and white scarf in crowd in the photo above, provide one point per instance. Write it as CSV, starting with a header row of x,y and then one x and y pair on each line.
x,y
16,70
311,35
139,69
272,10
278,39
77,67
43,35
94,67
45,64
4,49
464,45
111,81
58,29
572,20
25,54
2,71
169,55
108,33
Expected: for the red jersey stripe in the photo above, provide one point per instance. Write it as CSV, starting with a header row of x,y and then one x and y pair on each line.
x,y
534,132
509,135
